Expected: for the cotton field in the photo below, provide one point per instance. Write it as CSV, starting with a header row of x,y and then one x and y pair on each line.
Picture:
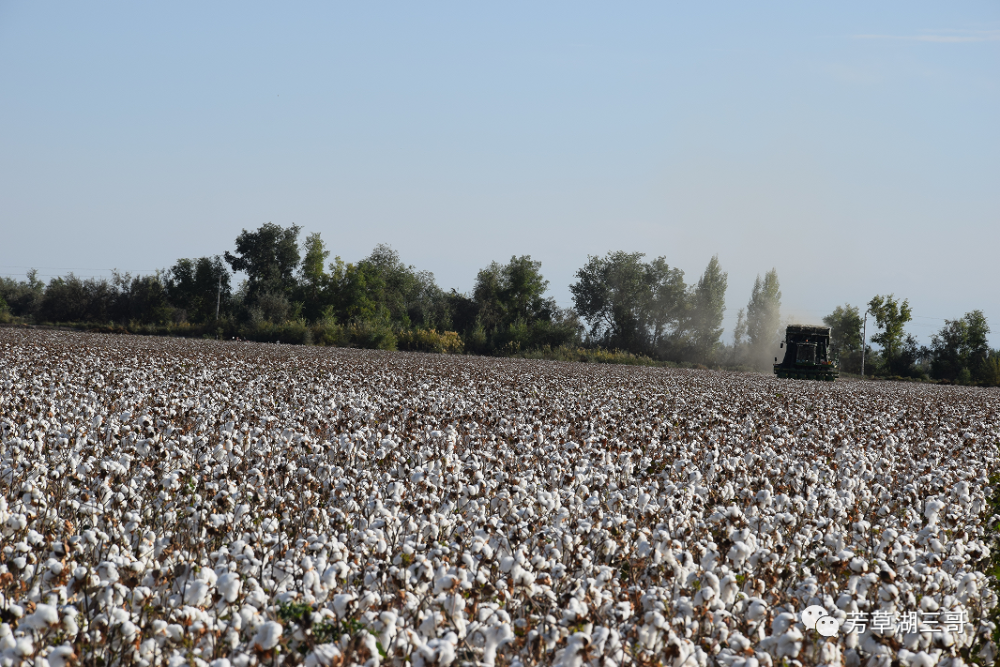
x,y
172,502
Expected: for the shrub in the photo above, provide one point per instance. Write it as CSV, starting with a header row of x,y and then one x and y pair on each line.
x,y
991,370
429,340
329,334
372,334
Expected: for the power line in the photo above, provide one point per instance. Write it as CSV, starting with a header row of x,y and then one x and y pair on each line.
x,y
69,268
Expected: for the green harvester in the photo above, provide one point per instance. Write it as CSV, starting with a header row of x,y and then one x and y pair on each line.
x,y
807,354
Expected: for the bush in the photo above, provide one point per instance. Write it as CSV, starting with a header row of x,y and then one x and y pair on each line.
x,y
372,334
429,340
990,375
593,356
295,332
329,334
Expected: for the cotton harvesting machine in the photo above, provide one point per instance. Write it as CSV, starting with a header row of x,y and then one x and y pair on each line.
x,y
807,354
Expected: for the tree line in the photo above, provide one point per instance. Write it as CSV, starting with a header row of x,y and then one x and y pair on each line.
x,y
295,293
958,353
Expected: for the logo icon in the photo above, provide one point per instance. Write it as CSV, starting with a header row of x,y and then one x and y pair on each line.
x,y
816,617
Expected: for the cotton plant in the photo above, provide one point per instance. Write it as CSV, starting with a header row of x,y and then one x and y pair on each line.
x,y
168,502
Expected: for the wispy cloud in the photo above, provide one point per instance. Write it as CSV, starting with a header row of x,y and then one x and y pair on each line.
x,y
943,36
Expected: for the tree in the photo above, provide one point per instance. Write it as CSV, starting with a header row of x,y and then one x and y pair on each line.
x,y
628,303
740,337
411,297
961,345
890,316
708,303
764,318
269,257
512,311
845,337
513,291
198,286
313,279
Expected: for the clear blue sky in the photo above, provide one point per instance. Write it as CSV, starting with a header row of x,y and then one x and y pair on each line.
x,y
855,147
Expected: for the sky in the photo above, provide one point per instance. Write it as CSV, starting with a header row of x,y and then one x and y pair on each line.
x,y
854,147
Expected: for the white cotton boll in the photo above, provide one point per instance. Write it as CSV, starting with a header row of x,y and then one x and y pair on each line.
x,y
208,575
922,659
737,642
445,583
128,630
571,656
932,509
220,662
644,548
342,603
44,616
324,655
782,622
267,636
738,554
175,632
438,652
61,656
229,585
728,589
196,593
575,611
495,637
506,563
790,643
24,647
757,610
642,501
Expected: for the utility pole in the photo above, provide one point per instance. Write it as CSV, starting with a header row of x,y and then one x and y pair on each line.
x,y
864,337
218,301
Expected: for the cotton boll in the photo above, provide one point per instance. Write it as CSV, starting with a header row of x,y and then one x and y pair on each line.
x,y
61,656
757,610
24,647
495,637
196,593
229,585
267,636
44,616
324,655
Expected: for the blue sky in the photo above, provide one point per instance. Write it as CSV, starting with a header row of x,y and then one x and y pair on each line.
x,y
855,147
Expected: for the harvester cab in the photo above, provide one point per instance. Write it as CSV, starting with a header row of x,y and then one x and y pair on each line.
x,y
807,354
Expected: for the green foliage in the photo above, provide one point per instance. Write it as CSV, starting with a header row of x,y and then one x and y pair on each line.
x,y
960,350
628,303
512,292
763,319
269,257
195,287
591,355
845,337
313,279
410,297
991,370
708,304
373,334
23,297
429,340
508,311
890,316
300,614
4,311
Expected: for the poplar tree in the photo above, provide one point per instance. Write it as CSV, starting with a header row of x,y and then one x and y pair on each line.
x,y
764,318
